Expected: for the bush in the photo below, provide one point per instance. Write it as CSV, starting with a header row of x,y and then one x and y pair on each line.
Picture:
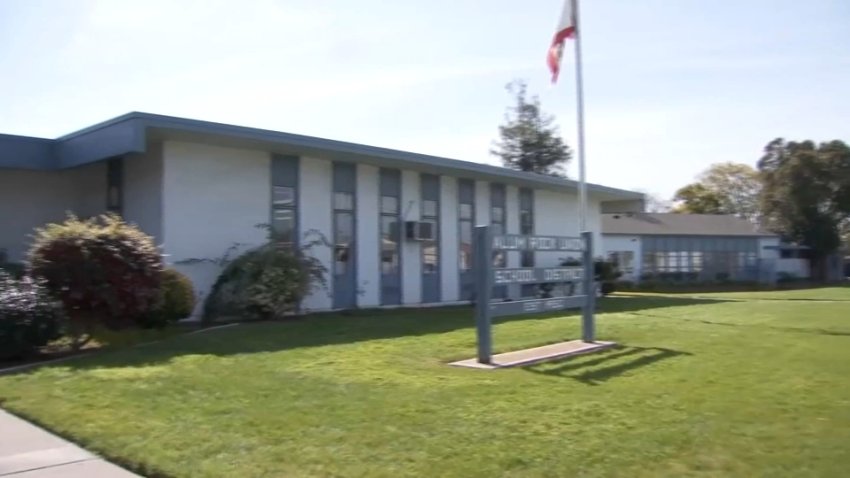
x,y
265,283
102,270
28,317
177,301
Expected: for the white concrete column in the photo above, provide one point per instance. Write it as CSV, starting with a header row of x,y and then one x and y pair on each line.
x,y
367,241
411,255
314,219
449,272
482,203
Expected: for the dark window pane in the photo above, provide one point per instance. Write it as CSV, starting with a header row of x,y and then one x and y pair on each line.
x,y
430,257
389,244
497,215
500,259
343,234
283,225
389,204
465,245
429,208
526,222
283,196
465,211
527,259
344,201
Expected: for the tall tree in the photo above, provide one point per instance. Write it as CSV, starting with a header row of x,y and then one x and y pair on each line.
x,y
724,188
529,140
806,195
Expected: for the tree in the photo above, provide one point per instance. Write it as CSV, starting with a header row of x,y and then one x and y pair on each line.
x,y
724,188
529,140
806,195
654,203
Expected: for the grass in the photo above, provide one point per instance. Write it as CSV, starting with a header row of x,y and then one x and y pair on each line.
x,y
697,388
838,293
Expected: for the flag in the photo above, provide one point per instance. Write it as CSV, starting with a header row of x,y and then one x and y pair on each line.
x,y
566,29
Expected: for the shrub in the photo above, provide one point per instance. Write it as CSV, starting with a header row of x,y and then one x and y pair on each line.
x,y
103,270
28,317
265,283
177,301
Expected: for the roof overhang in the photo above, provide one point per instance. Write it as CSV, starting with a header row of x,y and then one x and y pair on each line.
x,y
131,133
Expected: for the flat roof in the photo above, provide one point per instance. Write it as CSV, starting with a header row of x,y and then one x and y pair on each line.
x,y
673,224
130,133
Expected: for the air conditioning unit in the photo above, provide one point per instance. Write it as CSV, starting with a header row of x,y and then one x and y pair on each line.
x,y
420,231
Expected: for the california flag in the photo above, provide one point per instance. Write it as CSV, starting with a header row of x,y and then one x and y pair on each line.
x,y
566,29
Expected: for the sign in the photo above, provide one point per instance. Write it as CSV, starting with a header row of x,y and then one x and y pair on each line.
x,y
516,242
486,277
530,275
498,309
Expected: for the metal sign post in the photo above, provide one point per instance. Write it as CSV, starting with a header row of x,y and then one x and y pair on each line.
x,y
483,262
486,277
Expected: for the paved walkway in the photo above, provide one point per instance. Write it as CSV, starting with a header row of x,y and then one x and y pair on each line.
x,y
27,451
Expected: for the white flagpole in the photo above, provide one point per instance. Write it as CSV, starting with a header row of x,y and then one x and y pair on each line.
x,y
582,185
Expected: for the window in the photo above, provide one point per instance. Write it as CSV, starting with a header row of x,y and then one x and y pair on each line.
x,y
343,237
343,221
284,220
389,221
430,186
115,185
466,205
624,260
526,223
497,220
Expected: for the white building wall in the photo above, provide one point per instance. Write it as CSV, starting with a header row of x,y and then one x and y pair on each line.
x,y
768,242
449,275
411,251
30,199
315,221
143,191
213,199
367,242
798,268
620,243
555,214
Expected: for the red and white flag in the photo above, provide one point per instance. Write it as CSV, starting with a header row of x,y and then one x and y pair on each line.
x,y
566,29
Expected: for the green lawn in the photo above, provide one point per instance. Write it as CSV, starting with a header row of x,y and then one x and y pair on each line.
x,y
821,293
697,388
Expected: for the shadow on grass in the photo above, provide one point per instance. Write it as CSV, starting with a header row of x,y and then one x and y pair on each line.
x,y
340,328
593,369
796,330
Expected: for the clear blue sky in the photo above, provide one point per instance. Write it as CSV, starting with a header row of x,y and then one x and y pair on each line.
x,y
671,85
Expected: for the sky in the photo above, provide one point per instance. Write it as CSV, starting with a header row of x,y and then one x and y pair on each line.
x,y
671,86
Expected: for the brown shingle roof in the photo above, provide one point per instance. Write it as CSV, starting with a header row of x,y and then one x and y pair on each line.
x,y
679,225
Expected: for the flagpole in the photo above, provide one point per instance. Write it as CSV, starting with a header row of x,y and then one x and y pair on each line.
x,y
582,184
588,323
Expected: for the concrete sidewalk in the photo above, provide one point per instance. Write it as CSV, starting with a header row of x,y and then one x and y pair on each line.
x,y
27,451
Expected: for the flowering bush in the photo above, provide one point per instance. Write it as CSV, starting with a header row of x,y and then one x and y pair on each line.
x,y
103,270
28,317
177,300
265,283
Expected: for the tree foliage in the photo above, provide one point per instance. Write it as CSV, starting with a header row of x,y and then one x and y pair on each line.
x,y
806,195
529,140
724,188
